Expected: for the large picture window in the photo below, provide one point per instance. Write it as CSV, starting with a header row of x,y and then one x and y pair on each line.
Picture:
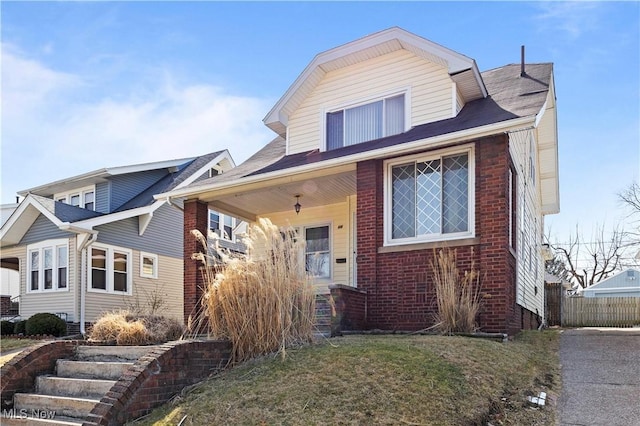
x,y
366,122
111,269
48,261
429,198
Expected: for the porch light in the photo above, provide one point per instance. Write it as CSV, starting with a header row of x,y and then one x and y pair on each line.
x,y
297,205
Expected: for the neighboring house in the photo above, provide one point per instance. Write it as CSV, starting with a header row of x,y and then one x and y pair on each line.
x,y
100,241
393,146
623,284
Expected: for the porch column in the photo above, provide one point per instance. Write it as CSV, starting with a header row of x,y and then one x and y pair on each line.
x,y
196,216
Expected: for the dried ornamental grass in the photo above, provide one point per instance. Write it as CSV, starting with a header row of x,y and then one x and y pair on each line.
x,y
264,302
125,328
458,297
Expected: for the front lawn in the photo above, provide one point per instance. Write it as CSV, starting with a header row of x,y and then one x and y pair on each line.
x,y
381,380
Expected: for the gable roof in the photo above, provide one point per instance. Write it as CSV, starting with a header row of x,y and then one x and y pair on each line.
x,y
513,100
629,278
462,69
79,220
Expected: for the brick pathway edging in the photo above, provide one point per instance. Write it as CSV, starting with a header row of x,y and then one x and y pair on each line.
x,y
157,377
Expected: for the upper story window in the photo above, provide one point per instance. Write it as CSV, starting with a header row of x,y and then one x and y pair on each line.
x,y
83,197
48,266
365,122
429,197
223,225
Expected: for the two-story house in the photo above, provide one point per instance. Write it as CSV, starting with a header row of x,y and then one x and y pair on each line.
x,y
392,146
100,241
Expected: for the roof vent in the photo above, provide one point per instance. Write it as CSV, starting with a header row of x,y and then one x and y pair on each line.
x,y
522,71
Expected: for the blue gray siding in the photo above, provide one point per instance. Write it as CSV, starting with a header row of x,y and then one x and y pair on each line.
x,y
42,229
163,236
102,197
125,187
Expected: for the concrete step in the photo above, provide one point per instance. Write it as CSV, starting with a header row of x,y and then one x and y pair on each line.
x,y
91,369
37,418
58,405
111,353
73,387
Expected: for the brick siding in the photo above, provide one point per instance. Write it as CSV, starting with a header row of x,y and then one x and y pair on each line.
x,y
399,284
196,216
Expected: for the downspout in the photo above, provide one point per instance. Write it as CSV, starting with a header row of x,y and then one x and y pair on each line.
x,y
174,205
83,277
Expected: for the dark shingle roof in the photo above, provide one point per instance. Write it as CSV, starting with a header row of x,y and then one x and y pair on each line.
x,y
168,182
65,212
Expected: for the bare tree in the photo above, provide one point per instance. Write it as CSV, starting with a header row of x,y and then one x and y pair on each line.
x,y
589,262
631,198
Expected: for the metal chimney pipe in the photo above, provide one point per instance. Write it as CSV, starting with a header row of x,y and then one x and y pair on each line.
x,y
522,72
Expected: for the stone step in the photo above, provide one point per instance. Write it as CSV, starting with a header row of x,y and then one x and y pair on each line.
x,y
37,418
111,353
58,405
73,387
91,369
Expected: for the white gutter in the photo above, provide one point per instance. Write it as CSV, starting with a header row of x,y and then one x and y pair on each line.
x,y
83,278
401,149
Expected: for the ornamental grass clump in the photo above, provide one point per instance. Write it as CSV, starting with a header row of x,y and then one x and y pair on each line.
x,y
126,328
458,295
262,302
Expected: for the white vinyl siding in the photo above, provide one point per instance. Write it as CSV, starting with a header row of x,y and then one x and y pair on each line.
x,y
530,264
335,215
431,98
143,289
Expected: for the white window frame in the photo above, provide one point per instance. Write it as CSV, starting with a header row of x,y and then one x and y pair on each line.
x,y
154,273
65,197
303,234
221,225
40,247
428,156
406,91
110,250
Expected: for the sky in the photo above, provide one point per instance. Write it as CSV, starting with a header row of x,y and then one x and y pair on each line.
x,y
88,85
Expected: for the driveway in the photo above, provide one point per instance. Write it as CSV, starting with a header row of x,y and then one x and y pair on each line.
x,y
600,377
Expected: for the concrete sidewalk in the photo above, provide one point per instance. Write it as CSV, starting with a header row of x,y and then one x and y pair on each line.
x,y
600,377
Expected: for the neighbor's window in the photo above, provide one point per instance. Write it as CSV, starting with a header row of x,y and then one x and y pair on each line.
x,y
317,251
366,122
148,265
428,198
83,197
222,224
110,269
48,262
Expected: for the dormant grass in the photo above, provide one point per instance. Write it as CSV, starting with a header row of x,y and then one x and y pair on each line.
x,y
126,328
262,302
457,294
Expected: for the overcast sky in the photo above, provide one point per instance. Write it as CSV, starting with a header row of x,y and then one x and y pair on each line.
x,y
93,85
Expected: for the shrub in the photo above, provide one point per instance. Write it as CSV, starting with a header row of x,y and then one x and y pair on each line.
x,y
20,327
6,328
458,296
46,323
125,328
264,302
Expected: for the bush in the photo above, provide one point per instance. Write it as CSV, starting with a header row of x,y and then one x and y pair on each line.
x,y
6,328
126,328
265,302
46,323
20,327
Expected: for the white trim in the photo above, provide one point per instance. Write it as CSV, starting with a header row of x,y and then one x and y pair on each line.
x,y
424,156
114,217
154,273
80,192
381,96
405,148
213,164
109,270
329,225
40,246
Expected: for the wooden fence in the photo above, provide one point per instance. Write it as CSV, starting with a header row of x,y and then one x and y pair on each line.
x,y
600,311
